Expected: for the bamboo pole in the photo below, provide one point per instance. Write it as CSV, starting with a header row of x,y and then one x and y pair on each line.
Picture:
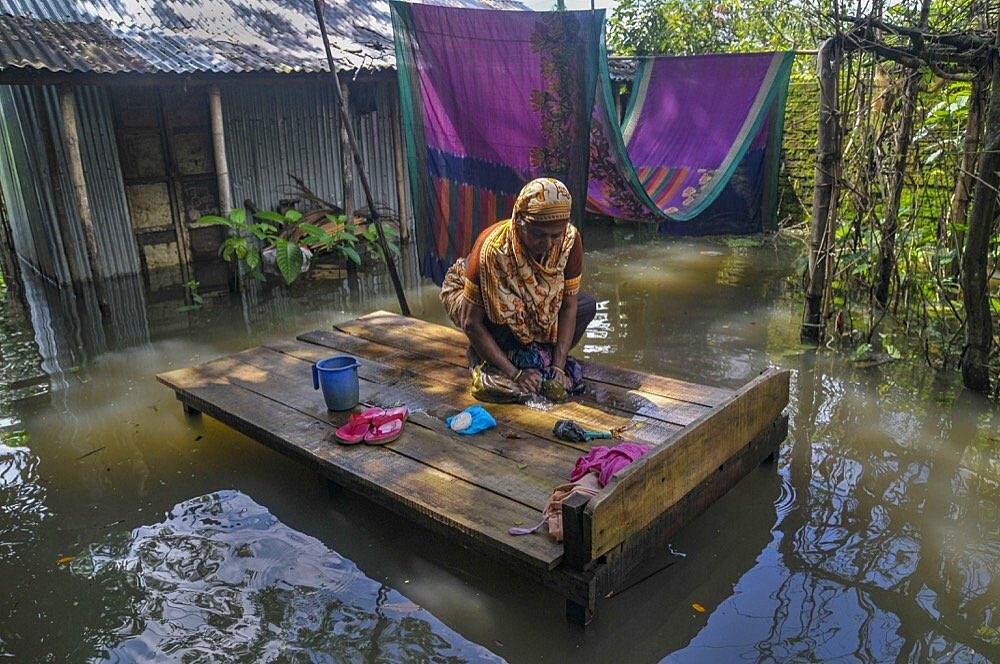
x,y
397,153
346,152
344,113
68,107
219,150
827,168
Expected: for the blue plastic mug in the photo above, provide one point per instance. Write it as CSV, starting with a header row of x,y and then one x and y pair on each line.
x,y
338,376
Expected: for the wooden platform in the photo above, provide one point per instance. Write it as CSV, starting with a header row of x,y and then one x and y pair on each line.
x,y
474,488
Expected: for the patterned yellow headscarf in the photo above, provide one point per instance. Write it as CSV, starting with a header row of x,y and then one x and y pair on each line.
x,y
541,200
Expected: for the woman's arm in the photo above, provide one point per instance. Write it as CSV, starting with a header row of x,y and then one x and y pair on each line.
x,y
486,346
564,336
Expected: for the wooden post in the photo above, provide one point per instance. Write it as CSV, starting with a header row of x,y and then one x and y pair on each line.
x,y
397,150
827,170
982,230
219,148
346,156
67,104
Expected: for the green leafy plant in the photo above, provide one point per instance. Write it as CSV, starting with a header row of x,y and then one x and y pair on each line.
x,y
243,242
197,301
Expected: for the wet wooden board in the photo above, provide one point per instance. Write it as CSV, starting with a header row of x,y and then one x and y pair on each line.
x,y
476,487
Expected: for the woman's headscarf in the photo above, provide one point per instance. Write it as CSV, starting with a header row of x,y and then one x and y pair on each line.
x,y
542,200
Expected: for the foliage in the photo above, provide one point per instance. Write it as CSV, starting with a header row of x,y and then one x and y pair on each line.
x,y
925,315
291,237
683,27
197,301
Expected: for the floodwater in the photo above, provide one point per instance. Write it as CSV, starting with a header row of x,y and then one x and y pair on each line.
x,y
130,533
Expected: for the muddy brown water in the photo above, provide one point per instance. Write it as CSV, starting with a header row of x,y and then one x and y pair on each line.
x,y
129,533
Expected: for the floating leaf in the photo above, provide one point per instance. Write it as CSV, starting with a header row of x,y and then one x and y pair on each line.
x,y
522,466
698,607
65,560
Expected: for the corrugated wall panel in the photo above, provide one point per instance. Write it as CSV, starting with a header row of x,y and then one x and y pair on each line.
x,y
27,186
31,197
371,106
117,251
276,130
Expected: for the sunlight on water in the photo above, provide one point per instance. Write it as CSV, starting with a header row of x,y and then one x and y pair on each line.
x,y
128,531
222,575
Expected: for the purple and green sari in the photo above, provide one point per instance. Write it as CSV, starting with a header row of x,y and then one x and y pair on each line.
x,y
492,99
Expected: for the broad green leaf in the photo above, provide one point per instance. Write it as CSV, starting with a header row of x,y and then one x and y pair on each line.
x,y
292,215
212,220
351,254
289,258
253,258
239,216
270,215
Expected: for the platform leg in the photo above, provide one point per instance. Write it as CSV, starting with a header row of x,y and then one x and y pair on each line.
x,y
188,409
578,614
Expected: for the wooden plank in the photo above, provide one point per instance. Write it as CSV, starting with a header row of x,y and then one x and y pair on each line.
x,y
423,493
425,438
673,388
436,375
644,489
286,380
452,351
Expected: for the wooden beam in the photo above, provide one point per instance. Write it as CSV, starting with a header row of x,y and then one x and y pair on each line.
x,y
639,493
397,153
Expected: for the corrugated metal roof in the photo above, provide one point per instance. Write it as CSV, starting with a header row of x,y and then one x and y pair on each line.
x,y
198,36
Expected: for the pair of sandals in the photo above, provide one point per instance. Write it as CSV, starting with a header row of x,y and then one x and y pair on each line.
x,y
373,426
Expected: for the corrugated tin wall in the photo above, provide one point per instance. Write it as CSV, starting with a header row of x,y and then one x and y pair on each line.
x,y
371,106
23,172
274,130
40,239
116,244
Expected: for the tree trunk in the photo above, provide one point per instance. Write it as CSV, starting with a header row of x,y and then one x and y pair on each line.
x,y
958,212
828,156
887,247
982,224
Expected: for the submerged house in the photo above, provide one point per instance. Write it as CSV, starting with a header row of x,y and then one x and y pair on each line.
x,y
122,123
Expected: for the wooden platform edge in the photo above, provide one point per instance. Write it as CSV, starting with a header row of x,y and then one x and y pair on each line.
x,y
623,565
639,493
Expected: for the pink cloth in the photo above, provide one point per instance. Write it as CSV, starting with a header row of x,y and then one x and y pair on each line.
x,y
607,461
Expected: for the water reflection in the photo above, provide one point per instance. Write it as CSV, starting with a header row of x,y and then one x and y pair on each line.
x,y
221,578
22,497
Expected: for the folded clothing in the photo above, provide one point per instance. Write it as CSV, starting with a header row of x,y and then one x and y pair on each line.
x,y
605,461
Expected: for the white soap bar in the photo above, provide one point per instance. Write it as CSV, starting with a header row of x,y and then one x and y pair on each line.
x,y
461,421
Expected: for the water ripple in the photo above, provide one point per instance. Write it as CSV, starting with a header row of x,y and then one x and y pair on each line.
x,y
223,575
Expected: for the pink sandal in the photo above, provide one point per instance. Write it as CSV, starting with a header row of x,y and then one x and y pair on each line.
x,y
383,433
400,413
357,426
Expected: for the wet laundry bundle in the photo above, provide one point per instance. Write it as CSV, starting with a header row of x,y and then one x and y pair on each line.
x,y
592,472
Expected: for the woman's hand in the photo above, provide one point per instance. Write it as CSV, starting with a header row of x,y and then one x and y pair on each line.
x,y
529,380
563,379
